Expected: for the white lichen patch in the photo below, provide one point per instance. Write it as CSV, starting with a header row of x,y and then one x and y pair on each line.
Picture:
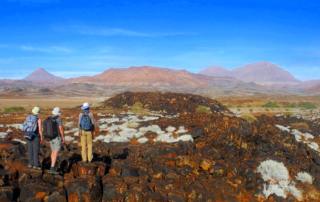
x,y
276,177
68,138
132,124
73,130
283,128
19,140
273,171
99,138
304,177
306,138
3,135
181,130
185,138
109,120
69,124
17,126
170,129
301,136
103,127
152,128
314,146
143,140
278,181
101,115
150,118
127,126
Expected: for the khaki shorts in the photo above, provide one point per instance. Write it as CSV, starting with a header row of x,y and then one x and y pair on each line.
x,y
55,144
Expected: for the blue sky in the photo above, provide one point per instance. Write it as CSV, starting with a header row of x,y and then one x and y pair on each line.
x,y
72,38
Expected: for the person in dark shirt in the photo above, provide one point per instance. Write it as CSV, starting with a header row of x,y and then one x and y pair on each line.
x,y
33,145
56,143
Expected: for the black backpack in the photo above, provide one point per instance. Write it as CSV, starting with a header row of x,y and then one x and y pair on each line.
x,y
50,128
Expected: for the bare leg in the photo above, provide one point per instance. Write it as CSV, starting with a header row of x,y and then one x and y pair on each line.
x,y
54,155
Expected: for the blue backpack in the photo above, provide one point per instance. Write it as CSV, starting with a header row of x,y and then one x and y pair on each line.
x,y
85,122
30,127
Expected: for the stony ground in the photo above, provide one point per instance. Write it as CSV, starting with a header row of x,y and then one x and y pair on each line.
x,y
169,147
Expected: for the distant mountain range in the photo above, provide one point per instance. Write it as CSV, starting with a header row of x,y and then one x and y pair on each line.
x,y
263,73
253,79
144,76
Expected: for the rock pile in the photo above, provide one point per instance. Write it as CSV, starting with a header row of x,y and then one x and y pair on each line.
x,y
171,103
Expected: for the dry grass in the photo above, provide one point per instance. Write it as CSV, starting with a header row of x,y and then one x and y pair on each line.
x,y
203,109
300,126
138,108
288,105
45,103
249,117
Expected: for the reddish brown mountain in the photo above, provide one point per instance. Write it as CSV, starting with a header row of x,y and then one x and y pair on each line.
x,y
42,76
264,73
144,76
148,78
216,71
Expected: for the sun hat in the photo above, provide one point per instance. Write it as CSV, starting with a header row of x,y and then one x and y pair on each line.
x,y
36,110
56,111
85,106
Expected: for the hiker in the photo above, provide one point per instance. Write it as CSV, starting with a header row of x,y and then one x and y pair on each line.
x,y
54,132
86,132
32,128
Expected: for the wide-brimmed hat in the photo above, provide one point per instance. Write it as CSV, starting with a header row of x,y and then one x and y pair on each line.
x,y
36,110
56,111
85,106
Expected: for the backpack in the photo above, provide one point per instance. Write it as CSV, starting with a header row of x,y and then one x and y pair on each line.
x,y
50,128
30,127
85,122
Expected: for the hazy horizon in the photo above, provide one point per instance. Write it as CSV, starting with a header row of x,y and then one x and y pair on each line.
x,y
70,74
85,38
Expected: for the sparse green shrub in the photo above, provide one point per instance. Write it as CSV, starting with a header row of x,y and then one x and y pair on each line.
x,y
271,105
14,109
203,109
249,117
138,108
307,105
288,114
290,105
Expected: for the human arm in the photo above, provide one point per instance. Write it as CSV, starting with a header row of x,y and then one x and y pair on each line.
x,y
40,130
61,129
79,120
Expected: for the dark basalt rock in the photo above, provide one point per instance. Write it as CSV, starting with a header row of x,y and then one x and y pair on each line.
x,y
84,189
219,165
171,103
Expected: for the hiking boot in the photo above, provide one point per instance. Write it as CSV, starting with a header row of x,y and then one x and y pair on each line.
x,y
36,167
53,170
